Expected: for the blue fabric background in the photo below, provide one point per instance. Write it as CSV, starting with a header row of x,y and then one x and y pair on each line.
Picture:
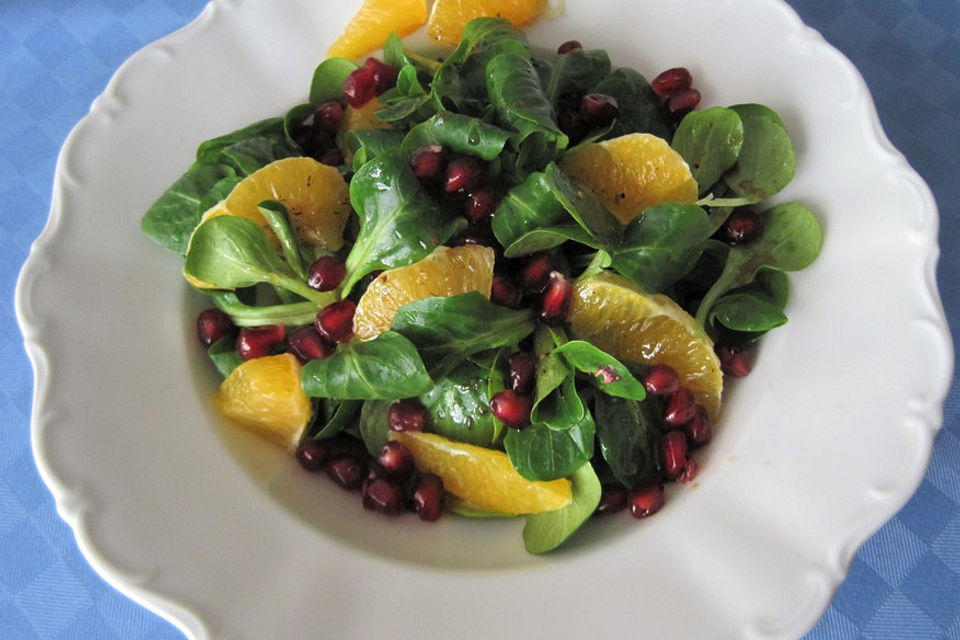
x,y
57,55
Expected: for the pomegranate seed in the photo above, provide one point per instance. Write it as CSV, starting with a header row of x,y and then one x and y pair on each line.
x,y
671,82
257,342
407,415
681,407
480,205
536,273
463,175
384,75
689,472
741,227
522,371
307,344
360,87
556,299
613,498
332,157
673,454
699,430
395,459
505,293
312,454
384,496
568,46
571,123
328,116
734,361
213,324
347,471
429,163
645,501
428,497
661,380
335,321
326,274
512,408
681,103
599,110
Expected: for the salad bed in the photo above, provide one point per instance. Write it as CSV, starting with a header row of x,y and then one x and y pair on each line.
x,y
504,283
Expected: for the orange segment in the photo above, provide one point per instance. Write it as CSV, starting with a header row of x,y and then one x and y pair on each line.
x,y
445,272
448,17
482,477
265,395
631,173
376,20
618,317
315,194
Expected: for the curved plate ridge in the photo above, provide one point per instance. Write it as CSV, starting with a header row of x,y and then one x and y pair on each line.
x,y
237,520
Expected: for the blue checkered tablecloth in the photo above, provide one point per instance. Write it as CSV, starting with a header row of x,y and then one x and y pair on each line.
x,y
57,55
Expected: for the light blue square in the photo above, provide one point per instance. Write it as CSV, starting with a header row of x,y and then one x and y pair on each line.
x,y
935,589
900,619
53,600
893,552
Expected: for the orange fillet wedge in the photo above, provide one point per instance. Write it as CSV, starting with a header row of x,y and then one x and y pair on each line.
x,y
482,477
377,19
449,17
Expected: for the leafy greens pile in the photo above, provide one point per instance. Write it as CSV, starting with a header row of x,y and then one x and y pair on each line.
x,y
495,100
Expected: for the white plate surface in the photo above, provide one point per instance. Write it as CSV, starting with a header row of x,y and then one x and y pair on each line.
x,y
228,539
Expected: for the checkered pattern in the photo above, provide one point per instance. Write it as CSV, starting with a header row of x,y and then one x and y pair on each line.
x,y
57,55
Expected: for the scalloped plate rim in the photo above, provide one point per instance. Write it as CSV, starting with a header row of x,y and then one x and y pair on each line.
x,y
72,505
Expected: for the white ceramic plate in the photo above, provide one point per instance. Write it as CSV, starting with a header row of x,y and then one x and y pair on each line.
x,y
228,539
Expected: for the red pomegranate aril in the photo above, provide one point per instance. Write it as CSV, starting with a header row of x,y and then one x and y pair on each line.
x,y
671,82
307,345
505,293
741,227
480,205
522,371
681,103
673,454
661,380
734,361
347,471
326,274
681,407
536,273
407,415
328,116
332,157
360,87
257,342
613,498
429,162
700,429
689,472
312,454
428,497
599,109
646,500
512,408
213,324
463,175
384,75
568,46
556,299
335,321
395,459
384,496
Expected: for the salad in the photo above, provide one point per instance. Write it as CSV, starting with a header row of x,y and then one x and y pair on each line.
x,y
504,283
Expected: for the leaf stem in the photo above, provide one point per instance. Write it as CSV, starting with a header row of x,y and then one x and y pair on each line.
x,y
245,315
